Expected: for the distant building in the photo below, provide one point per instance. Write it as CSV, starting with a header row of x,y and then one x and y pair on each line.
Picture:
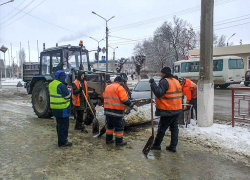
x,y
242,51
128,67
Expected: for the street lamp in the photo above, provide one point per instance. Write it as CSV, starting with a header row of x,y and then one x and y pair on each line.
x,y
7,2
113,64
106,36
230,38
97,49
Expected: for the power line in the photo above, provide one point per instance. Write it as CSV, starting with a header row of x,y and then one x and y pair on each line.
x,y
27,13
18,12
186,11
129,42
12,11
23,15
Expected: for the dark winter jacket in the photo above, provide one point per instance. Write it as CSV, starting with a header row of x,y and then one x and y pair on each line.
x,y
65,92
159,91
76,91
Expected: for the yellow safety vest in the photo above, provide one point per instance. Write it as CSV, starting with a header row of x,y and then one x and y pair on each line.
x,y
56,100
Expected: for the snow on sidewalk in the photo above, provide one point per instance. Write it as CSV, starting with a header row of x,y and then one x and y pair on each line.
x,y
222,136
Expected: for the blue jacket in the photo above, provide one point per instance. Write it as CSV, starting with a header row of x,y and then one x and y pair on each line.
x,y
65,92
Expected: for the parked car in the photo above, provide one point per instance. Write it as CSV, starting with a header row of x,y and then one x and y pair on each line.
x,y
142,89
247,78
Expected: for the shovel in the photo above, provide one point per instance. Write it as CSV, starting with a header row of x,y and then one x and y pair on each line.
x,y
95,124
147,147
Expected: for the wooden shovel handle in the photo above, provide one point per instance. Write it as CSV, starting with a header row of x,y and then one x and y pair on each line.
x,y
87,101
152,118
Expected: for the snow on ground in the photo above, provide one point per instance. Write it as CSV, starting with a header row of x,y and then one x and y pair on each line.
x,y
11,82
226,137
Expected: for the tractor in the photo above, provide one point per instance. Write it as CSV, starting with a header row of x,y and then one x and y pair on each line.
x,y
70,59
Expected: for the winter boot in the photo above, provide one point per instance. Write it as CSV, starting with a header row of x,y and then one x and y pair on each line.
x,y
120,142
84,130
109,139
156,147
78,126
67,144
171,148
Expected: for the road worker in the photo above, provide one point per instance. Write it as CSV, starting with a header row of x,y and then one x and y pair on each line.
x,y
168,106
189,89
60,105
79,101
115,100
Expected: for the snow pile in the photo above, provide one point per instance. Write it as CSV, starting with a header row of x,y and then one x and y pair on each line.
x,y
222,136
143,115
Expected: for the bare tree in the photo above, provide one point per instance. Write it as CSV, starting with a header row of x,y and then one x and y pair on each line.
x,y
221,41
120,63
180,36
138,61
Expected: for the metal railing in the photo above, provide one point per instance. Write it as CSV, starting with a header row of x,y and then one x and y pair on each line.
x,y
239,110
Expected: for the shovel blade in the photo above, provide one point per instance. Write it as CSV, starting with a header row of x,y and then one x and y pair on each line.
x,y
103,131
147,147
95,126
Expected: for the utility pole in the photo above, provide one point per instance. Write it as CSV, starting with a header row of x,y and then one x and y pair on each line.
x,y
29,50
205,84
113,63
38,51
107,30
17,58
107,46
12,61
9,64
97,50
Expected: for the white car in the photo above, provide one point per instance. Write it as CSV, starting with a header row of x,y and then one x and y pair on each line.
x,y
142,89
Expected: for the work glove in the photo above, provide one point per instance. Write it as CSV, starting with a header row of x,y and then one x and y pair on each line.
x,y
135,108
151,81
80,89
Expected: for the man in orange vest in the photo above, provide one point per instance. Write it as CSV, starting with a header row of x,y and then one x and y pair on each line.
x,y
115,101
189,89
168,106
79,101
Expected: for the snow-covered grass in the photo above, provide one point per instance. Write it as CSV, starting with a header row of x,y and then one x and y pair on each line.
x,y
226,137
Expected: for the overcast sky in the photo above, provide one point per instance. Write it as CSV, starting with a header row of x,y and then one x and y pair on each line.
x,y
68,22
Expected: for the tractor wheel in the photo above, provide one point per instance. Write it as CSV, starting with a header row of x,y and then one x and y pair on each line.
x,y
28,88
40,100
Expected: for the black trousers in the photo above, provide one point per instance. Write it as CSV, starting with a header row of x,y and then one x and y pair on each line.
x,y
194,103
62,128
165,122
79,118
114,125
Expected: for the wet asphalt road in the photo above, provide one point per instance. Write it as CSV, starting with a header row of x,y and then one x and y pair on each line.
x,y
28,151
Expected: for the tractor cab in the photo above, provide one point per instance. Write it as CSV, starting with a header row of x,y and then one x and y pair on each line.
x,y
67,58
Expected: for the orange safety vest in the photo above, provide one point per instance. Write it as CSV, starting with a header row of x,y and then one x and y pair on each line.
x,y
114,95
76,98
172,99
189,89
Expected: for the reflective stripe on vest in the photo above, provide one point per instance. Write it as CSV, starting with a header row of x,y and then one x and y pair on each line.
x,y
111,98
56,100
76,98
172,99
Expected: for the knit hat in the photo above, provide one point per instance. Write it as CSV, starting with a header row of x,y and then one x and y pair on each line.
x,y
166,70
118,79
